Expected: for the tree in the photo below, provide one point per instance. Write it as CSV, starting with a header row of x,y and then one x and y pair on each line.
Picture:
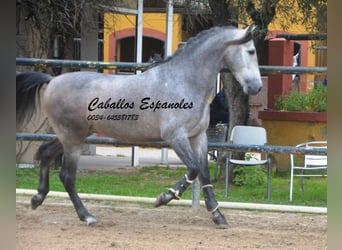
x,y
41,24
46,20
225,13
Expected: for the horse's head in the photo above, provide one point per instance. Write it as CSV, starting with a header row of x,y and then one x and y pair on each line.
x,y
241,59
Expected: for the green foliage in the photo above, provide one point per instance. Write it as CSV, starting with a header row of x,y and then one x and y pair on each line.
x,y
249,176
314,100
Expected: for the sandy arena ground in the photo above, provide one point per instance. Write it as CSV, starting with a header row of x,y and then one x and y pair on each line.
x,y
55,225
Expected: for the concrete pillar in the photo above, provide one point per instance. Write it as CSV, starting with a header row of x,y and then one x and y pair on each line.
x,y
89,38
139,49
89,51
280,54
167,52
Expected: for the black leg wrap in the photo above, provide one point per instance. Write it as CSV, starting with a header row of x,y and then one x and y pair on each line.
x,y
180,187
209,198
212,205
174,193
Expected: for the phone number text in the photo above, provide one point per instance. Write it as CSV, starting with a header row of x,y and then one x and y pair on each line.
x,y
113,117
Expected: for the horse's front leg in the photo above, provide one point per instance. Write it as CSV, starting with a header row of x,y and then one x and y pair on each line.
x,y
68,178
184,151
174,193
200,147
209,197
46,153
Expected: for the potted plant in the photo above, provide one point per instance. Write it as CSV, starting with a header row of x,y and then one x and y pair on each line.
x,y
297,118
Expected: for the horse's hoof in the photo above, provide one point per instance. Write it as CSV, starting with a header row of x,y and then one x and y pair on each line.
x,y
163,199
37,200
160,200
91,220
219,219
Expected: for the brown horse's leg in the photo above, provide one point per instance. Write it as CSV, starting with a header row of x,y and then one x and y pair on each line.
x,y
46,153
68,178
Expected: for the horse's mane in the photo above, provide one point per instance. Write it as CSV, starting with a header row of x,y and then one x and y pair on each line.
x,y
191,43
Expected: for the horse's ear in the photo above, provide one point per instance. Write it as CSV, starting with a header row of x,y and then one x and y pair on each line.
x,y
250,28
246,38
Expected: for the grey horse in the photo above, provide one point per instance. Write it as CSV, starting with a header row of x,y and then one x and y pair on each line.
x,y
168,102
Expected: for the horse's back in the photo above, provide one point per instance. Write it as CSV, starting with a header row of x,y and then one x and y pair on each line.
x,y
76,80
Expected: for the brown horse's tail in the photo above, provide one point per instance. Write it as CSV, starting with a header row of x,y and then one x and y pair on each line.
x,y
28,85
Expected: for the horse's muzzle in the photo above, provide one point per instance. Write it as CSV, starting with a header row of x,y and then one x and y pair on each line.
x,y
252,90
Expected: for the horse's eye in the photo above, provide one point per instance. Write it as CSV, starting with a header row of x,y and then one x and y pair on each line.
x,y
251,52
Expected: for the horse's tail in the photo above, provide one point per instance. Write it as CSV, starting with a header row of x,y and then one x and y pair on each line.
x,y
28,86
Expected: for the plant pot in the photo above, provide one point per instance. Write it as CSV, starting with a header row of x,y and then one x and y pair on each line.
x,y
287,128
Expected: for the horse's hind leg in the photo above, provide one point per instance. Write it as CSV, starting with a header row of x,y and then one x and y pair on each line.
x,y
68,178
46,153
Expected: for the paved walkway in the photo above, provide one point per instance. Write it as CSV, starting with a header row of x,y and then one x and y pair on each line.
x,y
108,158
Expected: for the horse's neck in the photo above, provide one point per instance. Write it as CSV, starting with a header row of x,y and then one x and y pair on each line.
x,y
202,68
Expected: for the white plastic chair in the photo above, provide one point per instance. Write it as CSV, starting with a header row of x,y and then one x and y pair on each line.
x,y
312,164
249,135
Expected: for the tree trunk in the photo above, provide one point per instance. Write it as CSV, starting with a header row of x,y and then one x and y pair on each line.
x,y
224,13
261,18
238,114
219,9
